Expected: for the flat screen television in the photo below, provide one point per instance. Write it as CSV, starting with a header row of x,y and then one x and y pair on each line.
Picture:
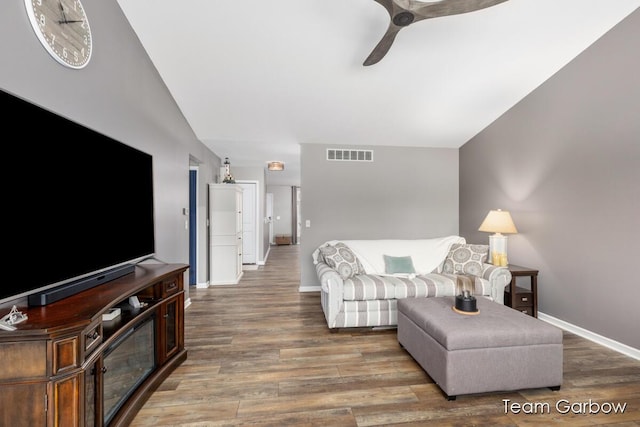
x,y
79,205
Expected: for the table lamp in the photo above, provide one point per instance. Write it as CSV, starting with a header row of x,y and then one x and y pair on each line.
x,y
498,222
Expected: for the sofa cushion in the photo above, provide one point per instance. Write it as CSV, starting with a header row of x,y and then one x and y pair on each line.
x,y
341,258
465,259
398,264
365,287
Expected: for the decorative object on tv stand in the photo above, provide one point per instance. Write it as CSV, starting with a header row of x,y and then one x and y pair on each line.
x,y
13,317
498,222
275,166
228,178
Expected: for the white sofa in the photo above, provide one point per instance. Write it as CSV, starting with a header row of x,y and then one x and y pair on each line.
x,y
361,280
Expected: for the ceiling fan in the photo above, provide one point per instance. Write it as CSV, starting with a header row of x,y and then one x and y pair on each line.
x,y
405,12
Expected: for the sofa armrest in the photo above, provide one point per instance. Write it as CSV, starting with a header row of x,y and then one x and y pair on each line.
x,y
499,277
332,291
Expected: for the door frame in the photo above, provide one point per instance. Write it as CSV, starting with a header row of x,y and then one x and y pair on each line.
x,y
269,216
192,215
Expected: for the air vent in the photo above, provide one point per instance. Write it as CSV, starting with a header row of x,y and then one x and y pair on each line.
x,y
343,154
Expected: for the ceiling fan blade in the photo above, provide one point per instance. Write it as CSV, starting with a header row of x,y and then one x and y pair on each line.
x,y
387,4
405,12
452,7
383,45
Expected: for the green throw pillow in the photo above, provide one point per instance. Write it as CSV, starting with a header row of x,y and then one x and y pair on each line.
x,y
398,264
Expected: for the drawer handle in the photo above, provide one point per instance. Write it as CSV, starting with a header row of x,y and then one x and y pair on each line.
x,y
171,285
94,335
525,299
524,311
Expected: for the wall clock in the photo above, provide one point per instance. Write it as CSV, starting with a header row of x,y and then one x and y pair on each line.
x,y
63,29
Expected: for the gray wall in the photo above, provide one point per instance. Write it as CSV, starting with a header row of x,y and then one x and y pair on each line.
x,y
406,193
119,94
566,162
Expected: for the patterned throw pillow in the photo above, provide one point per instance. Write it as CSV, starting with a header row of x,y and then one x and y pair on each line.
x,y
342,259
465,259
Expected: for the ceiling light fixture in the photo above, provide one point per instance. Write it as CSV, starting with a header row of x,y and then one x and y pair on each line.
x,y
275,166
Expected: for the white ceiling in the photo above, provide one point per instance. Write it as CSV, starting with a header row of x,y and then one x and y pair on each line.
x,y
257,78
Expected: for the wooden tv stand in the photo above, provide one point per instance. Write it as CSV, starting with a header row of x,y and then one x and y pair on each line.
x,y
53,370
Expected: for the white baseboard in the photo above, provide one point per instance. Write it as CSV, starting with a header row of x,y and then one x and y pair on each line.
x,y
187,302
202,285
263,262
584,333
591,336
315,288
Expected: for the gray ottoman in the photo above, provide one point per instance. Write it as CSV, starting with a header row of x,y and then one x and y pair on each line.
x,y
498,349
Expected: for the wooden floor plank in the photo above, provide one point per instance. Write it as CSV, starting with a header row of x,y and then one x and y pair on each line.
x,y
260,354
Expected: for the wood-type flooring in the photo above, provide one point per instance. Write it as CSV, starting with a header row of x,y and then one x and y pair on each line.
x,y
260,354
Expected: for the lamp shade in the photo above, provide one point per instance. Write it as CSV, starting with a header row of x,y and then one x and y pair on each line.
x,y
498,221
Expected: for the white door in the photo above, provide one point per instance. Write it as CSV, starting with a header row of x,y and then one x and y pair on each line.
x,y
249,218
270,217
298,216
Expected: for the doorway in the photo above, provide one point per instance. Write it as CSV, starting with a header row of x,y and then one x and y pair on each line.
x,y
192,224
269,215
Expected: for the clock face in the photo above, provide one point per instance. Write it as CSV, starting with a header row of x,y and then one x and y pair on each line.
x,y
63,29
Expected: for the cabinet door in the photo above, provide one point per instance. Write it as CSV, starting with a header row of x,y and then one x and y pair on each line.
x,y
171,339
66,401
92,394
239,208
225,207
23,404
225,228
240,258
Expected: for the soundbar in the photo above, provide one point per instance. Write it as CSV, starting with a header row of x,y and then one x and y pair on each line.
x,y
56,294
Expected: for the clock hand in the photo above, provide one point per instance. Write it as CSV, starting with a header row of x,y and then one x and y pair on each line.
x,y
64,17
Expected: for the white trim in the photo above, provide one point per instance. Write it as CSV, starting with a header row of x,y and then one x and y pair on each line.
x,y
202,285
309,288
265,256
187,303
227,282
592,336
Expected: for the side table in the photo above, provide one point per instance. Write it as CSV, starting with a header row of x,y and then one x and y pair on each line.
x,y
521,298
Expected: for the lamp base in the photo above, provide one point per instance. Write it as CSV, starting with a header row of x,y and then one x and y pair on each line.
x,y
498,249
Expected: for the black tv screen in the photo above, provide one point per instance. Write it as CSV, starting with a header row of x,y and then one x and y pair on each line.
x,y
78,203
